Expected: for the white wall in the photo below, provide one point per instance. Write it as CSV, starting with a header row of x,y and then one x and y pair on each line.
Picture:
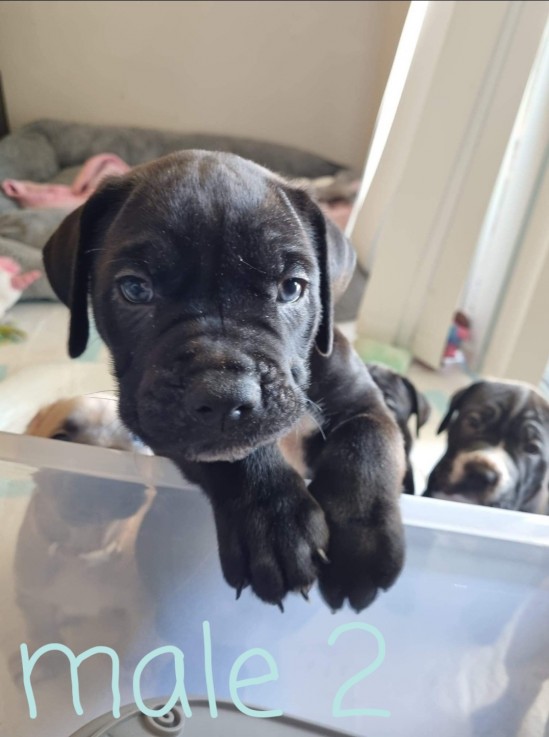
x,y
310,74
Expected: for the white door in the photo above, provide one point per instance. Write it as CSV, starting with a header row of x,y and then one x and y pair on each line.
x,y
418,224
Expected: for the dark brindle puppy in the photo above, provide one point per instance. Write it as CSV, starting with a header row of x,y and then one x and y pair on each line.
x,y
498,448
404,400
212,282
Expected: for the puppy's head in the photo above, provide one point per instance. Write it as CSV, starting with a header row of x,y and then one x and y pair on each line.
x,y
85,420
498,448
402,398
211,281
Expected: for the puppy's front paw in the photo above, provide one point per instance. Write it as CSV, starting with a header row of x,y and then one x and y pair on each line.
x,y
366,550
272,544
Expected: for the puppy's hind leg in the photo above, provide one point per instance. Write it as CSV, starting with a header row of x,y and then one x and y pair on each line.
x,y
358,470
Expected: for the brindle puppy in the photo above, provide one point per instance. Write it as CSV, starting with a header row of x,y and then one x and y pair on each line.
x,y
404,400
498,448
212,282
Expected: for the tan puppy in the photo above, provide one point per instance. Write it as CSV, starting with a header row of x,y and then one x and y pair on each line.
x,y
87,420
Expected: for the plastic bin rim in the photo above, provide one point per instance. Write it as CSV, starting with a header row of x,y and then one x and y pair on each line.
x,y
114,465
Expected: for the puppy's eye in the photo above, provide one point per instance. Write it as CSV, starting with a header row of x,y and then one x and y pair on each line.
x,y
60,436
290,290
473,421
390,402
135,289
532,448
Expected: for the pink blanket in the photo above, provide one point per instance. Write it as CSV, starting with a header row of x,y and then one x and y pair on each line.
x,y
34,194
339,212
335,198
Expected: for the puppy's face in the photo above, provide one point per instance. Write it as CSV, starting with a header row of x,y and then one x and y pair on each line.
x,y
209,280
84,420
498,448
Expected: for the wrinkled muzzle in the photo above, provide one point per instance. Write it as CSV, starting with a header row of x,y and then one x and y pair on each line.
x,y
214,400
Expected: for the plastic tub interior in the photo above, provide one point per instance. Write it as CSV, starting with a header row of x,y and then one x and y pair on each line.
x,y
107,549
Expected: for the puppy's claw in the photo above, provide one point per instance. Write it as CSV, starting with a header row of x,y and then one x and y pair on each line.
x,y
280,605
323,557
240,588
305,594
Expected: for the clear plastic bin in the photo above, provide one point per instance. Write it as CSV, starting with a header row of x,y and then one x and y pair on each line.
x,y
107,549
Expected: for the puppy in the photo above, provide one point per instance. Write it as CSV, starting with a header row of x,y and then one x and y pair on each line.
x,y
86,420
403,400
498,448
212,282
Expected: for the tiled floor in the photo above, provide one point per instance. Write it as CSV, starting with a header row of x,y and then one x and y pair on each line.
x,y
38,371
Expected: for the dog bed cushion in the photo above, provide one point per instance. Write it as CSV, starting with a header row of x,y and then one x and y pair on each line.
x,y
53,151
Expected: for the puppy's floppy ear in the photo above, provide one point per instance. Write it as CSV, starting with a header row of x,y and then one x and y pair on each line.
x,y
336,260
67,255
420,406
455,403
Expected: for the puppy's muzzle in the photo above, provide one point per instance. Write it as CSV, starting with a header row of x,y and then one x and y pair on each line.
x,y
479,476
222,402
213,400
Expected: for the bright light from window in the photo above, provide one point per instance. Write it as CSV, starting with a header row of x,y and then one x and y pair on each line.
x,y
391,98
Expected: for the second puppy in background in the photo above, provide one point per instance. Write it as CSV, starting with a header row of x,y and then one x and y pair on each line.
x,y
85,420
404,400
498,448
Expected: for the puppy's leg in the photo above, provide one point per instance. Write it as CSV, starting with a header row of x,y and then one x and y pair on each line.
x,y
269,528
358,471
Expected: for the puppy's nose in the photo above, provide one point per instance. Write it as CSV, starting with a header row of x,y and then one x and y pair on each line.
x,y
216,401
481,475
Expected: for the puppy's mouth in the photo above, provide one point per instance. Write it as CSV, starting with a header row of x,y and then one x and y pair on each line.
x,y
177,426
466,492
485,477
219,453
464,497
184,447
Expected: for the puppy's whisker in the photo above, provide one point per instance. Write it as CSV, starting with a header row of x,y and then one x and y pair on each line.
x,y
96,392
243,261
316,405
99,395
320,430
107,399
316,419
325,414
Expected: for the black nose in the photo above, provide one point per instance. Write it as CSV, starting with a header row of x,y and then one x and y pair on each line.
x,y
216,400
480,475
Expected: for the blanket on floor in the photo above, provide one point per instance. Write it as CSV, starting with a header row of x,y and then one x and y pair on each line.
x,y
90,176
335,194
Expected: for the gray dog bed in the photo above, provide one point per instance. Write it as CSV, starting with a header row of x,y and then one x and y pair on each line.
x,y
53,151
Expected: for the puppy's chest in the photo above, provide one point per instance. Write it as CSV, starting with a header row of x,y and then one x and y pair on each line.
x,y
293,446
